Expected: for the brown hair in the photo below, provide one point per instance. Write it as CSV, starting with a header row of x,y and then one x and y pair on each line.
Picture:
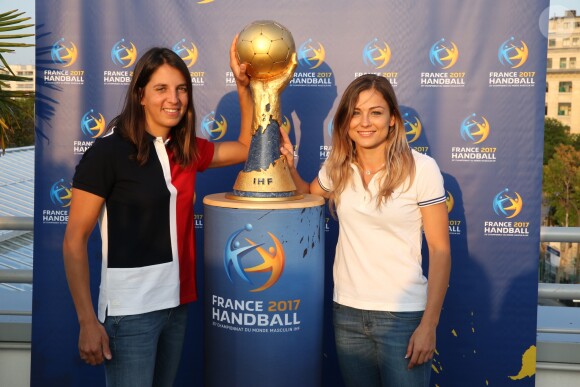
x,y
131,121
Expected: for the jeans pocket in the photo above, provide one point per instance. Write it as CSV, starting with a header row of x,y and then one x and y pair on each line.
x,y
407,316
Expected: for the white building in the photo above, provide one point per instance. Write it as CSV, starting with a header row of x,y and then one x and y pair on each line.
x,y
28,71
563,70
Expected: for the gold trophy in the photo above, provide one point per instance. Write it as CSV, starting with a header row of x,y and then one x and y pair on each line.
x,y
268,49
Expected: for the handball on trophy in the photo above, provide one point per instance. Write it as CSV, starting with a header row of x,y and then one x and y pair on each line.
x,y
266,46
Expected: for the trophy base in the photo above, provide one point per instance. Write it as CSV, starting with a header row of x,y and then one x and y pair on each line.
x,y
271,184
263,196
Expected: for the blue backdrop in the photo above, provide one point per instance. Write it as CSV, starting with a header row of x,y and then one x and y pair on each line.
x,y
470,77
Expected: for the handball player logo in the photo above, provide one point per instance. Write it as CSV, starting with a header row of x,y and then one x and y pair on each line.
x,y
376,54
272,259
449,202
186,51
64,54
310,55
443,54
213,129
286,125
505,204
60,193
413,127
93,124
474,129
511,54
330,126
124,54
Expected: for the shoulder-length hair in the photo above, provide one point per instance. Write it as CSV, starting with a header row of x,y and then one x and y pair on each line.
x,y
130,123
399,161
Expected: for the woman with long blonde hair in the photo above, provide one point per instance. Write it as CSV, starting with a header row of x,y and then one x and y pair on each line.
x,y
385,196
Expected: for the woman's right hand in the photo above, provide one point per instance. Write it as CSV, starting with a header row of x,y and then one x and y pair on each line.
x,y
302,187
94,343
287,149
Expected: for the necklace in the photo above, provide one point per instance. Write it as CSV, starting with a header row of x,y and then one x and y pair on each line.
x,y
371,172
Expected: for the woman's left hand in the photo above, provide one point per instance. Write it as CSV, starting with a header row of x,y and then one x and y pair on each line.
x,y
238,69
421,346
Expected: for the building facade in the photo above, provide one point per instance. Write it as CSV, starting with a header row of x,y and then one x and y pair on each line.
x,y
28,71
563,70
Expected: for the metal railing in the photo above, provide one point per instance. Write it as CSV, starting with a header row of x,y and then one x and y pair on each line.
x,y
547,234
16,223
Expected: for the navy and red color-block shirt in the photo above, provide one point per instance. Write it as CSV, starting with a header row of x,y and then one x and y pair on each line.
x,y
146,224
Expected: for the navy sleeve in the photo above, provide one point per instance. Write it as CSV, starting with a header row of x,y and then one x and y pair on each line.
x,y
95,172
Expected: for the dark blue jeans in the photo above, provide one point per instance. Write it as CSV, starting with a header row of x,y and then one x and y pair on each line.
x,y
146,347
371,348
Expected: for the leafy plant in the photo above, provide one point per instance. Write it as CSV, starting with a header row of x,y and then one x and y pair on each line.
x,y
562,185
10,22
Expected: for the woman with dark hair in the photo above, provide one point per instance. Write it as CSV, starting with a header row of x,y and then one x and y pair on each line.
x,y
385,196
138,181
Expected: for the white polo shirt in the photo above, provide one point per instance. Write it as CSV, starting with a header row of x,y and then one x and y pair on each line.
x,y
378,255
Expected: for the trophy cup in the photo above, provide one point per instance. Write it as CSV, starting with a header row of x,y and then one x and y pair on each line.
x,y
268,50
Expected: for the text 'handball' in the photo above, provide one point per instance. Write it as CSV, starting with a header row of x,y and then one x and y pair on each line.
x,y
266,46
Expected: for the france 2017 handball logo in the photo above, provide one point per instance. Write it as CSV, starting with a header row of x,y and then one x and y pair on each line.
x,y
124,54
93,124
449,202
413,127
212,128
310,55
286,124
61,193
330,127
511,54
376,55
443,54
474,129
507,205
273,259
186,51
64,54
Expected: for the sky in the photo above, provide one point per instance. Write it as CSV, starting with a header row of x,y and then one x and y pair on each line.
x,y
559,6
26,55
21,55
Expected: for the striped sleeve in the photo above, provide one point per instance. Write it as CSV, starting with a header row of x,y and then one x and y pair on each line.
x,y
323,179
429,182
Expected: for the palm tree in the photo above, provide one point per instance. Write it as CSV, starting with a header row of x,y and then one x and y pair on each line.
x,y
9,22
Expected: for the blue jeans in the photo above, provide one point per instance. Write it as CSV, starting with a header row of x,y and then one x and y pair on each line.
x,y
146,348
371,348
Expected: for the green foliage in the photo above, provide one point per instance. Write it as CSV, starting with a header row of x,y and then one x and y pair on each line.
x,y
23,133
575,141
562,185
10,22
555,133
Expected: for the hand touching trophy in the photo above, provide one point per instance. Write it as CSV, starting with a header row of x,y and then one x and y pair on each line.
x,y
268,49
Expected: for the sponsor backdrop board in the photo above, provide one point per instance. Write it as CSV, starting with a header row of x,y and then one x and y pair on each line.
x,y
469,75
